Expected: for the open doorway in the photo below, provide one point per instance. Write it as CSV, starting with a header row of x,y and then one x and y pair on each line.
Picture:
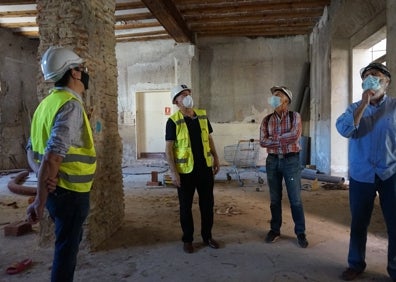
x,y
152,111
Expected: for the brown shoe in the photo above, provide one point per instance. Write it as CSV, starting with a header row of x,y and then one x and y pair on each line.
x,y
350,274
188,247
212,243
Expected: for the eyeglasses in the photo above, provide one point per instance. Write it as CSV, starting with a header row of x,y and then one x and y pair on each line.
x,y
81,68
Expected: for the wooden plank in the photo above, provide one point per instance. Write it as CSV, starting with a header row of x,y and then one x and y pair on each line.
x,y
170,18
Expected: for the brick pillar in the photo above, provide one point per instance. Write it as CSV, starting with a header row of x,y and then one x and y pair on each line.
x,y
88,28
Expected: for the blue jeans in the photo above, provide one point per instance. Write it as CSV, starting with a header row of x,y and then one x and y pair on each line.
x,y
288,169
361,201
69,210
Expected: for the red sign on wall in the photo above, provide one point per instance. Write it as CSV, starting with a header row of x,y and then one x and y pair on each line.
x,y
167,111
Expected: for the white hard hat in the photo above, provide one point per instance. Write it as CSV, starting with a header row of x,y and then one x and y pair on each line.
x,y
56,61
285,90
176,90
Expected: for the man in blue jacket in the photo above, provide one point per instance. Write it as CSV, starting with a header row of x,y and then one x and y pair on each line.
x,y
370,125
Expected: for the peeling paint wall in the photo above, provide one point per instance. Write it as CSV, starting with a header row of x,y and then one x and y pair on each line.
x,y
149,66
18,98
237,73
230,78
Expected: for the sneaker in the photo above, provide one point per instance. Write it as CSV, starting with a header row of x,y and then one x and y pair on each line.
x,y
272,236
302,240
350,274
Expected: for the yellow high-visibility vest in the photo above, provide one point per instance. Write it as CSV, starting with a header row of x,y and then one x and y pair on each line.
x,y
77,170
182,146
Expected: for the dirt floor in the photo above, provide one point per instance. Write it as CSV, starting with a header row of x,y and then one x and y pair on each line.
x,y
148,248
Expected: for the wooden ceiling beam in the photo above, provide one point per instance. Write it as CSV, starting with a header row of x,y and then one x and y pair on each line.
x,y
129,6
236,7
242,2
251,27
134,17
246,22
168,15
249,33
254,16
235,22
119,6
137,25
142,38
18,14
18,25
135,34
183,19
18,2
31,34
117,26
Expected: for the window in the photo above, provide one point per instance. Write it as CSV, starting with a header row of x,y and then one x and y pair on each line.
x,y
378,52
373,49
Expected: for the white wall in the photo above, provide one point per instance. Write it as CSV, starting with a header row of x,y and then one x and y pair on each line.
x,y
230,77
237,73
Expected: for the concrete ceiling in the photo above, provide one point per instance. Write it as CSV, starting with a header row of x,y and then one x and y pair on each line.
x,y
187,20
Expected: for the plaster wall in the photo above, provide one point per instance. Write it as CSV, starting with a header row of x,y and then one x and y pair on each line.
x,y
18,98
338,157
332,43
231,83
320,99
237,73
150,66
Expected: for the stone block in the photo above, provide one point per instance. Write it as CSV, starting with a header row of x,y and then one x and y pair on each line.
x,y
17,228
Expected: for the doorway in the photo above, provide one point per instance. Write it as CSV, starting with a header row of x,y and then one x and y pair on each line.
x,y
152,112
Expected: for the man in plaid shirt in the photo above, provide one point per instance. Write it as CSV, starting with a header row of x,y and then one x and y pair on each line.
x,y
280,133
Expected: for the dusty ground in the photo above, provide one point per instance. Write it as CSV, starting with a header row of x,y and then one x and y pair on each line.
x,y
148,247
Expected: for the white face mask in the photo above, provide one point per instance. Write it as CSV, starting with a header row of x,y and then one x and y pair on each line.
x,y
274,101
188,102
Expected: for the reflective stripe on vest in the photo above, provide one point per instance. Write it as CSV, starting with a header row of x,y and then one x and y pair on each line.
x,y
183,155
78,167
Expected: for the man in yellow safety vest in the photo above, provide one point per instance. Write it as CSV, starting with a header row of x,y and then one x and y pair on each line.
x,y
62,144
193,162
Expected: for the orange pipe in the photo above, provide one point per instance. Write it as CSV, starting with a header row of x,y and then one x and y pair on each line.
x,y
17,188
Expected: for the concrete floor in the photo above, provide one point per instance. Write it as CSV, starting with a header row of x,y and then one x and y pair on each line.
x,y
154,252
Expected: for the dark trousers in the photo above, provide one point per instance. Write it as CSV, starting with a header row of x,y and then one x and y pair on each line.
x,y
201,180
361,200
69,210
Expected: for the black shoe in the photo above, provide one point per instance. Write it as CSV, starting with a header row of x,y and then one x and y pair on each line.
x,y
272,236
350,274
188,247
212,243
302,240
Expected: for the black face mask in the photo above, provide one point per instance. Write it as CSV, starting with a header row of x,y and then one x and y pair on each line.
x,y
85,79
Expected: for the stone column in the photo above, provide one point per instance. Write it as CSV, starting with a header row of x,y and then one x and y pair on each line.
x,y
88,28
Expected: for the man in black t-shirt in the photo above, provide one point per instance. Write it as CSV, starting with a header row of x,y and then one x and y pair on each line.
x,y
193,162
